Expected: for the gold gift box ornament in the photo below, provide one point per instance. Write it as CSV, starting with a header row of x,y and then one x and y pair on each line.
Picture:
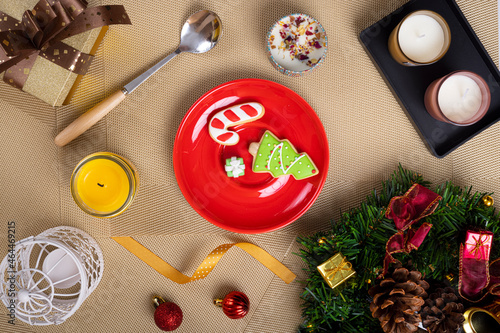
x,y
46,46
336,270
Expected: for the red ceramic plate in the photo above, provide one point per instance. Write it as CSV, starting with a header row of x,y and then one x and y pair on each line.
x,y
255,202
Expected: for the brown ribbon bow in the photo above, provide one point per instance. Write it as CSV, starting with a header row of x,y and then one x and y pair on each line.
x,y
418,202
41,31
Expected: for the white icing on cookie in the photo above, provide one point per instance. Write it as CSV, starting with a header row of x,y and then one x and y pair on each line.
x,y
238,114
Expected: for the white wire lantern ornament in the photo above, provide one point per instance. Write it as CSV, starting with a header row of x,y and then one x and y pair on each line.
x,y
51,275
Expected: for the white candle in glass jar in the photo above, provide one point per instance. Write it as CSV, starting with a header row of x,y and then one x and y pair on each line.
x,y
459,98
421,38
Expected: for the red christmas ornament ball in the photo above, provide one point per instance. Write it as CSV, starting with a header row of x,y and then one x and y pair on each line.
x,y
235,305
168,316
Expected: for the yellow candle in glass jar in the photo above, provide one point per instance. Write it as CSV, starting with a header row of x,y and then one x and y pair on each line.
x,y
104,184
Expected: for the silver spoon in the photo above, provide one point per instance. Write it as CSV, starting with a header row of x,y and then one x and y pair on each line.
x,y
200,33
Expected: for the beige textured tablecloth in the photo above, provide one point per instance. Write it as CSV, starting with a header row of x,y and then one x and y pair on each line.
x,y
368,135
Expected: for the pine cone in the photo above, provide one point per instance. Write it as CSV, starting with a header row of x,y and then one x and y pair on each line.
x,y
443,312
398,299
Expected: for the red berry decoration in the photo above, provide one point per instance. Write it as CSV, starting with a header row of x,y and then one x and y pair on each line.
x,y
168,315
235,305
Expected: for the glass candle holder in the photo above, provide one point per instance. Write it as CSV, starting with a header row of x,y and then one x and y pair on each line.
x,y
460,98
104,184
421,38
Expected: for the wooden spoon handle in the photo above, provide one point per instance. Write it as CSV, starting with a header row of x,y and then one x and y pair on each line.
x,y
89,118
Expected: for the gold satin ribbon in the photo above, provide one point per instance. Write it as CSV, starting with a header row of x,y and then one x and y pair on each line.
x,y
208,264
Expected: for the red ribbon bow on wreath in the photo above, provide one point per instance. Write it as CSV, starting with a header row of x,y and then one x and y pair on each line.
x,y
41,31
417,203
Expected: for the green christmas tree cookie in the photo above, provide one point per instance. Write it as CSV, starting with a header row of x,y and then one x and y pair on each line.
x,y
280,158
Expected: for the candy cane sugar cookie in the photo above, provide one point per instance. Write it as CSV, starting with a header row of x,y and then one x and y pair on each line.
x,y
235,115
280,158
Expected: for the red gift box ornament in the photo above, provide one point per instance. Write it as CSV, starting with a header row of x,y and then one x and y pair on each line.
x,y
41,31
418,202
478,245
477,277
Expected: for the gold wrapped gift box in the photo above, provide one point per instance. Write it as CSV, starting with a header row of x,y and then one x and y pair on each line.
x,y
47,81
336,270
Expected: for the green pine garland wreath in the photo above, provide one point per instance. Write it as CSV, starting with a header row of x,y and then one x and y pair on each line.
x,y
361,236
